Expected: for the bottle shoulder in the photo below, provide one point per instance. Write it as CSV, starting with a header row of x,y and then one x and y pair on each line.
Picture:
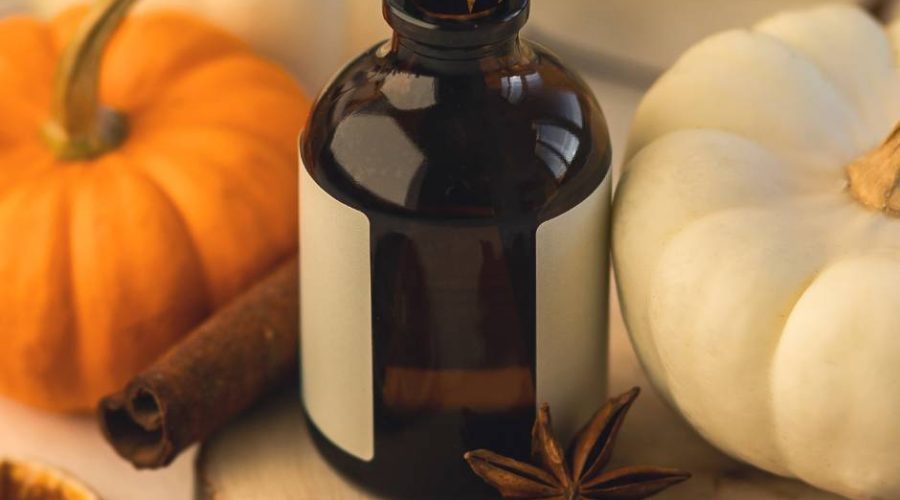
x,y
520,135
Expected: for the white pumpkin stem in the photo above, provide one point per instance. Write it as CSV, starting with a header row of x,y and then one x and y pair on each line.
x,y
875,178
80,128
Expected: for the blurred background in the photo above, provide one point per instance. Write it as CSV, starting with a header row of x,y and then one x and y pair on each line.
x,y
626,40
619,46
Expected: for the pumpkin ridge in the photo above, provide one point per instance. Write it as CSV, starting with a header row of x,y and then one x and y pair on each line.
x,y
770,456
38,170
251,199
261,139
124,230
39,58
783,455
286,85
150,99
768,58
150,125
75,318
136,170
207,44
824,78
779,432
180,91
834,37
31,115
24,108
54,373
262,143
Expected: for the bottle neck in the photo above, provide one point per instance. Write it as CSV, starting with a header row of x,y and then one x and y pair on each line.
x,y
409,48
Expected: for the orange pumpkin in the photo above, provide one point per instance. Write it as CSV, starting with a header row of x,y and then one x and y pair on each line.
x,y
124,225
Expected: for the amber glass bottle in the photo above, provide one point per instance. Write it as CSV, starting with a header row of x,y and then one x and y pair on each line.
x,y
454,219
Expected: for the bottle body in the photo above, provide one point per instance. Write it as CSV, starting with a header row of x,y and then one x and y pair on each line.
x,y
454,225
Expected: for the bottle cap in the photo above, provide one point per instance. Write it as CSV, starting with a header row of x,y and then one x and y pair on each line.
x,y
457,23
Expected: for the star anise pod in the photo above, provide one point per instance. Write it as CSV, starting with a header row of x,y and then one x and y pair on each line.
x,y
582,477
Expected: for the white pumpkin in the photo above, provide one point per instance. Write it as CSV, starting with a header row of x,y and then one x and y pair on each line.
x,y
762,297
313,38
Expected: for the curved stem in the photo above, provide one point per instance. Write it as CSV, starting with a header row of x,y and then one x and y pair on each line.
x,y
875,178
80,127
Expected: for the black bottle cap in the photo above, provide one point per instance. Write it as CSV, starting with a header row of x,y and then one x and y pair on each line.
x,y
457,23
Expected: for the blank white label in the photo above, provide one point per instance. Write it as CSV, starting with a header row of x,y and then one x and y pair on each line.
x,y
336,319
572,311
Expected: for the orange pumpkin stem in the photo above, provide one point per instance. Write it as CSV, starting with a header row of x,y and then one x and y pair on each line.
x,y
875,178
80,128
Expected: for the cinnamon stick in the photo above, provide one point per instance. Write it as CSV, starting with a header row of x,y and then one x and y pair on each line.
x,y
240,354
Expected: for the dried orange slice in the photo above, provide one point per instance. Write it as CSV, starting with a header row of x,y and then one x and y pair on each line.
x,y
30,481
